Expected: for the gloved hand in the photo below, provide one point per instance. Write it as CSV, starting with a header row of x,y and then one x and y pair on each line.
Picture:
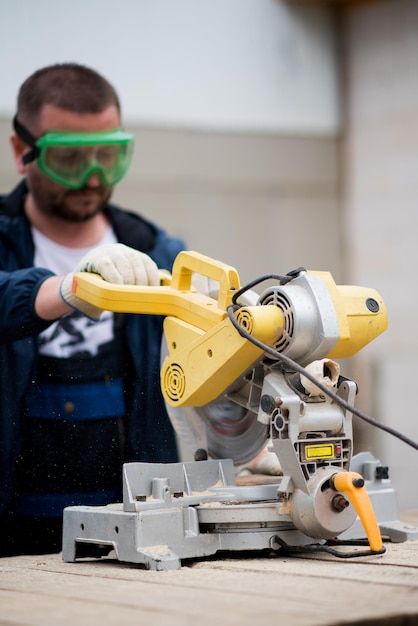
x,y
115,263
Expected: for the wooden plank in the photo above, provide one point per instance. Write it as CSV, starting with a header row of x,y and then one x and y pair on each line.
x,y
316,591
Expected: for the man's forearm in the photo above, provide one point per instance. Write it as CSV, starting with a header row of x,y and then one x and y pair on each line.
x,y
48,303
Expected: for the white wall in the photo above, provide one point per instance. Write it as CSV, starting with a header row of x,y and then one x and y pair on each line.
x,y
235,64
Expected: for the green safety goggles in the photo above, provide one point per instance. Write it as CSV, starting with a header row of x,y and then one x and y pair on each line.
x,y
71,158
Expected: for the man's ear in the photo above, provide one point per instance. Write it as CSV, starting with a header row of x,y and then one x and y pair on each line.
x,y
19,149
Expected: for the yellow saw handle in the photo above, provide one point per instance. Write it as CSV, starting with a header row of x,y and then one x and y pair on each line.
x,y
206,354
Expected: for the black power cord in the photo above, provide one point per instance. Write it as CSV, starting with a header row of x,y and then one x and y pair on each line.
x,y
283,279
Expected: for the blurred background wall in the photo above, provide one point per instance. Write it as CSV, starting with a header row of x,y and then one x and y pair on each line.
x,y
379,178
269,134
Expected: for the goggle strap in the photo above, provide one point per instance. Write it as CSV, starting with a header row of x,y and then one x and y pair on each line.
x,y
29,139
30,156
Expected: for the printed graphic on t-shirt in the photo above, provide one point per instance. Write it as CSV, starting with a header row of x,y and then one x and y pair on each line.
x,y
76,336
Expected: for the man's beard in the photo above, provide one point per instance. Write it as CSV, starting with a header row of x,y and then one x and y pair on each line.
x,y
63,211
68,205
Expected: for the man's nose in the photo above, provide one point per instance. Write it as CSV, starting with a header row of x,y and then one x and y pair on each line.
x,y
94,180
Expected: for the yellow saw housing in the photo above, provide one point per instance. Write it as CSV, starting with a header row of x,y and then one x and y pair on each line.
x,y
206,353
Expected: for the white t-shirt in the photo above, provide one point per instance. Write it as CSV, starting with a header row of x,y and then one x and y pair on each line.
x,y
74,333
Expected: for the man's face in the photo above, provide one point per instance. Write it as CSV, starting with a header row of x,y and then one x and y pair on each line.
x,y
55,200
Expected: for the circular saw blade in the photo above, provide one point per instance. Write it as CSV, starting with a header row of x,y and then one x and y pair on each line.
x,y
225,431
232,432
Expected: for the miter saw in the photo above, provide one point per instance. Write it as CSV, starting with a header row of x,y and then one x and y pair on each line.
x,y
242,371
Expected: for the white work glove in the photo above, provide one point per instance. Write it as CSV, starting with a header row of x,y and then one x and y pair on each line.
x,y
265,462
115,263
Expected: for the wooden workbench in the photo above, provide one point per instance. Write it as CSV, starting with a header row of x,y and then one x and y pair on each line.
x,y
316,590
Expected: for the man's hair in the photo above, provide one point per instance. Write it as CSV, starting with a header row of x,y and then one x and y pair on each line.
x,y
69,86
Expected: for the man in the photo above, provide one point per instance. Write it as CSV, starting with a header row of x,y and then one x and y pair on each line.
x,y
79,391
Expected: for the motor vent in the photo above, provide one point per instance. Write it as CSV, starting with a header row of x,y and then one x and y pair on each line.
x,y
245,320
275,297
174,382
